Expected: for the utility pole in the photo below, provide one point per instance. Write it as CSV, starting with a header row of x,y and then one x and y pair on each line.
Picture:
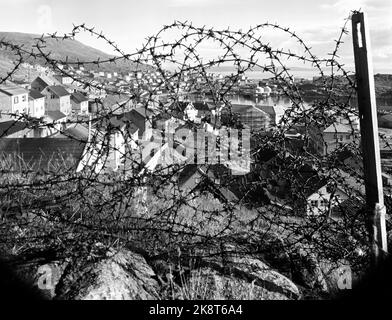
x,y
369,136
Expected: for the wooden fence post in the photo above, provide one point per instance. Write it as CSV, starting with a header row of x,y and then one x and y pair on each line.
x,y
369,136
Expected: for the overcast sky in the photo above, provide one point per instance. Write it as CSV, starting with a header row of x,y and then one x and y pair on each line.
x,y
129,22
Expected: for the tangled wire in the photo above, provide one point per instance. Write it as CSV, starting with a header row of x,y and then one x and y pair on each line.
x,y
303,192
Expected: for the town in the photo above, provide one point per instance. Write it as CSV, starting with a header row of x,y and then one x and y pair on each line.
x,y
76,114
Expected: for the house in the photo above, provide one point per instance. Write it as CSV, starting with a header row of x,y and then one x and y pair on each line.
x,y
43,154
204,110
166,122
63,79
79,103
116,137
142,118
192,111
163,158
334,134
245,114
36,104
332,137
41,82
57,99
275,113
320,195
13,100
196,178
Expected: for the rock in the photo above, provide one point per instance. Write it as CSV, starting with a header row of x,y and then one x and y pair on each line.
x,y
252,270
123,275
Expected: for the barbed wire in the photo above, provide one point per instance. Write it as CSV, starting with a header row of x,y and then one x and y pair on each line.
x,y
72,210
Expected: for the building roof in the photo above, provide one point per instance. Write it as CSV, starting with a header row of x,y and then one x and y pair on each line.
x,y
49,155
12,90
59,91
46,80
10,127
338,128
179,105
77,131
194,176
144,112
78,97
34,94
267,109
201,106
347,208
55,115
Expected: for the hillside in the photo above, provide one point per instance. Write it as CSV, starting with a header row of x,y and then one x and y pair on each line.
x,y
59,49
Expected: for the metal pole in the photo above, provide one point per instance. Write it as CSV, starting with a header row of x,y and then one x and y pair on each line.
x,y
369,136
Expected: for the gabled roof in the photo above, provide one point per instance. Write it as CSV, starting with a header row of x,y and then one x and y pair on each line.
x,y
347,208
10,127
144,112
55,115
12,90
268,109
78,97
59,91
201,106
77,131
338,128
194,176
34,94
46,80
45,154
118,122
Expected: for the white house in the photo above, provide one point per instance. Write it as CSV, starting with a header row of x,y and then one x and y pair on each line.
x,y
63,79
36,104
13,99
190,113
328,139
79,103
57,98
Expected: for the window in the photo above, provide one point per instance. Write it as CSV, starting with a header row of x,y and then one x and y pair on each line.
x,y
23,98
341,138
348,137
16,99
314,203
323,202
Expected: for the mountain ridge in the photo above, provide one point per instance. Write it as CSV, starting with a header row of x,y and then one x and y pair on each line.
x,y
60,49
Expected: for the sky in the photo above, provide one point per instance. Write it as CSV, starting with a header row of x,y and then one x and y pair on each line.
x,y
130,22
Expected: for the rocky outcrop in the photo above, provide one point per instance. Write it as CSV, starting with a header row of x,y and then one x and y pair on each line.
x,y
126,275
254,275
122,275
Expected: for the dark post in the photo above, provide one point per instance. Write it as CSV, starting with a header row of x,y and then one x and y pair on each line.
x,y
369,135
